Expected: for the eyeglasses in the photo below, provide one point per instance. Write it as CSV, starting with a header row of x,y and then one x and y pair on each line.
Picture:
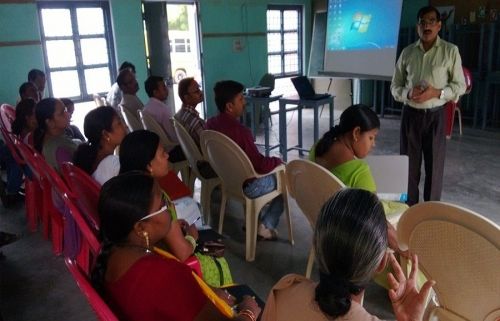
x,y
430,22
196,91
161,210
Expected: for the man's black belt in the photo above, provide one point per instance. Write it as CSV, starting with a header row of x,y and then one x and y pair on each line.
x,y
425,110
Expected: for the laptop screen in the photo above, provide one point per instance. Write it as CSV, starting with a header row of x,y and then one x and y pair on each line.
x,y
303,86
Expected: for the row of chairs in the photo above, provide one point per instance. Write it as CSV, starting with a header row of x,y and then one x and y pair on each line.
x,y
145,121
65,210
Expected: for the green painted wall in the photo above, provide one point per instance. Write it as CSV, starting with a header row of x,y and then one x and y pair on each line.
x,y
219,17
128,34
18,22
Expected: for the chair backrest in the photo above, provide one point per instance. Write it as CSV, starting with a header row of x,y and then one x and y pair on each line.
x,y
460,250
468,80
311,185
100,307
7,116
228,160
191,150
87,190
130,119
9,139
151,124
390,172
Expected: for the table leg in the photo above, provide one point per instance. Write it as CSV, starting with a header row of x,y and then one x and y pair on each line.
x,y
332,115
282,121
299,125
316,123
266,116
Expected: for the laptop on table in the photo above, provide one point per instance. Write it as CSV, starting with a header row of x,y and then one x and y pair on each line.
x,y
305,89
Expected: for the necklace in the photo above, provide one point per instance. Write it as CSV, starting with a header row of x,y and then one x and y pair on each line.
x,y
145,249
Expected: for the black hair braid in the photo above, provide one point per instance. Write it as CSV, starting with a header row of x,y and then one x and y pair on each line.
x,y
333,294
327,140
85,156
99,271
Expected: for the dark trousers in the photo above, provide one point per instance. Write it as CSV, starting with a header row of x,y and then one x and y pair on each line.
x,y
422,133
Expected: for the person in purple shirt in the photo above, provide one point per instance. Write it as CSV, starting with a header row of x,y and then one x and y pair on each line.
x,y
231,104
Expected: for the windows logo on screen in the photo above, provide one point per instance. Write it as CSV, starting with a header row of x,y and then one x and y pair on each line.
x,y
360,22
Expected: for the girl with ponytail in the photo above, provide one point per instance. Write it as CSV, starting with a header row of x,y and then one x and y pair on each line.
x,y
105,131
350,242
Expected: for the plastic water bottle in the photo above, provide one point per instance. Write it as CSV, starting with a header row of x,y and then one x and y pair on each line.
x,y
399,197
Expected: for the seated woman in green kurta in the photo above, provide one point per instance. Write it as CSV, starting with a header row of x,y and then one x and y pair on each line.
x,y
342,149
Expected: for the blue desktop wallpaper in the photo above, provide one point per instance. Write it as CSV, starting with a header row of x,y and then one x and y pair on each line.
x,y
362,24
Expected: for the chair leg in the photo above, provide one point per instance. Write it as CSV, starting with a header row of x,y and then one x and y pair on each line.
x,y
288,218
251,218
310,263
222,211
205,202
192,180
185,175
459,120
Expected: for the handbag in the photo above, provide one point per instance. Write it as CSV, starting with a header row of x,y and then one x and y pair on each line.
x,y
214,248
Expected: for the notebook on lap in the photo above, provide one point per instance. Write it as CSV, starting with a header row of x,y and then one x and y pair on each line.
x,y
305,89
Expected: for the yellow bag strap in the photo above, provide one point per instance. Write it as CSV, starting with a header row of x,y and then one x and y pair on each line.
x,y
220,304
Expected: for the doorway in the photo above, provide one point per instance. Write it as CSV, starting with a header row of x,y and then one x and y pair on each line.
x,y
173,44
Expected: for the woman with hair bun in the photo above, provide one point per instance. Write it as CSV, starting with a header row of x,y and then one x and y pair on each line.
x,y
105,131
350,242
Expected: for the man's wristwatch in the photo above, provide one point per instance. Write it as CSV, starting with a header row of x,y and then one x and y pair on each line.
x,y
441,95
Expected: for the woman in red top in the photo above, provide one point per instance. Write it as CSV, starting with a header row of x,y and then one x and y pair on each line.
x,y
139,284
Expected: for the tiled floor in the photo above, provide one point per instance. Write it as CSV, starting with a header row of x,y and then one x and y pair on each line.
x,y
35,284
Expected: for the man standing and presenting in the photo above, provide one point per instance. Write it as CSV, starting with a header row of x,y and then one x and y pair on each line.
x,y
428,74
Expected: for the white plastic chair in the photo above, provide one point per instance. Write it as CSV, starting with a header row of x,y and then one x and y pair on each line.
x,y
194,156
233,167
130,119
311,185
460,250
149,123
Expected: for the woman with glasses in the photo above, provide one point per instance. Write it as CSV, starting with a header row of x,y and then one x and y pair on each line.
x,y
138,283
142,150
350,242
49,137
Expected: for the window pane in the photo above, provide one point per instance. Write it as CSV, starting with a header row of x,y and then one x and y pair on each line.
x,y
273,20
290,19
94,51
90,21
274,64
61,53
56,22
291,63
97,80
291,41
65,83
273,42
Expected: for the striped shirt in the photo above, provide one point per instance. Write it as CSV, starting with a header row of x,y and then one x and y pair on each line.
x,y
190,119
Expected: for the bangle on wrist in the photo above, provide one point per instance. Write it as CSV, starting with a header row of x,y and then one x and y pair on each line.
x,y
191,240
248,314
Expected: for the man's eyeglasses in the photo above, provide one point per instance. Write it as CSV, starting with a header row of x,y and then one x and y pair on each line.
x,y
430,22
196,91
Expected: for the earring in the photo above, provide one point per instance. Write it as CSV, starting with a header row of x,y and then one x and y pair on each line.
x,y
146,237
